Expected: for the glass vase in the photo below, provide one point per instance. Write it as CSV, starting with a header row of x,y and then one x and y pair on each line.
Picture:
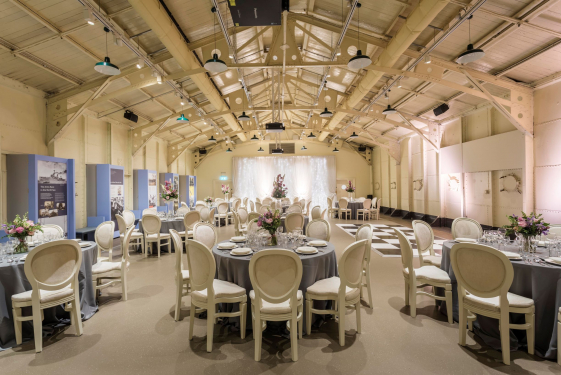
x,y
169,205
273,240
529,246
22,246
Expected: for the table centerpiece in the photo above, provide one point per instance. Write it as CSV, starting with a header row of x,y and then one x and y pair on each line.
x,y
280,190
270,221
226,191
350,189
169,195
208,201
527,228
21,228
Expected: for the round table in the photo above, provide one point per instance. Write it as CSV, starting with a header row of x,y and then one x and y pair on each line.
x,y
306,220
538,282
167,224
353,206
235,269
14,281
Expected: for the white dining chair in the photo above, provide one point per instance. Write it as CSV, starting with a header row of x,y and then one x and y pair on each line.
x,y
244,201
137,238
130,219
182,281
316,213
364,232
343,204
189,220
365,210
302,204
252,216
424,237
294,208
183,204
151,225
52,272
258,206
295,200
293,221
53,230
104,240
267,201
205,215
207,292
264,209
181,211
484,276
319,229
324,214
243,215
114,272
416,278
375,210
330,209
308,208
222,213
344,290
200,206
257,200
464,227
275,276
149,211
251,206
206,234
237,225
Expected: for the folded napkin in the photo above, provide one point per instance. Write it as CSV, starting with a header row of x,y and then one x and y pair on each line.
x,y
511,255
555,260
238,239
23,258
467,240
541,243
317,243
241,251
84,244
307,250
226,245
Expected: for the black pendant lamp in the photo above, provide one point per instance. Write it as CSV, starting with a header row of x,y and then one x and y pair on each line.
x,y
244,117
254,138
303,148
326,113
228,150
335,149
311,135
354,135
360,61
105,66
212,139
389,110
471,54
260,149
215,65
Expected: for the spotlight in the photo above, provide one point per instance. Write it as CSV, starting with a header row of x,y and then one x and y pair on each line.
x,y
140,63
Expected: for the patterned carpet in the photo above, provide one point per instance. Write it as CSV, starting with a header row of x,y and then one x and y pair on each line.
x,y
385,241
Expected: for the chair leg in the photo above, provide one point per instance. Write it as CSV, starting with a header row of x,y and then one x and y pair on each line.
x,y
449,302
77,315
357,307
17,324
505,337
406,293
369,289
159,247
301,323
179,293
124,285
210,327
243,309
530,333
257,333
191,321
341,315
294,337
462,325
309,316
559,340
413,301
37,329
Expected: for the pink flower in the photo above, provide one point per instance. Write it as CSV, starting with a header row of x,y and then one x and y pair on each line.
x,y
12,231
31,233
7,231
522,223
19,229
269,221
30,222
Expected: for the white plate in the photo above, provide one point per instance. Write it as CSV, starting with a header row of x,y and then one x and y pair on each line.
x,y
84,244
552,262
465,240
512,256
241,251
317,243
306,250
238,239
226,245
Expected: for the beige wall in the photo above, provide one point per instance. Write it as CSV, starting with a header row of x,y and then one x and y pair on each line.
x,y
349,166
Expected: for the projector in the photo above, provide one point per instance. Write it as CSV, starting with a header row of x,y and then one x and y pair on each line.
x,y
441,109
274,127
131,116
202,151
277,151
361,148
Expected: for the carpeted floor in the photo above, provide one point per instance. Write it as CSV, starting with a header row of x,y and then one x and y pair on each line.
x,y
140,336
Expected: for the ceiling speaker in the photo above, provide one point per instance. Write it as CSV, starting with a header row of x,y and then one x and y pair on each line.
x,y
131,116
441,109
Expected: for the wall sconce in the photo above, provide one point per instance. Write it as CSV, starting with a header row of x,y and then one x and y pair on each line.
x,y
418,184
453,183
393,185
511,183
376,186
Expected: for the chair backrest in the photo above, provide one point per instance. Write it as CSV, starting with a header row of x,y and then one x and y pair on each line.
x,y
104,236
464,227
364,232
205,214
264,209
236,205
181,211
257,200
244,201
294,208
130,218
285,201
251,206
293,221
324,214
316,212
343,203
424,237
202,268
366,204
242,213
177,244
222,208
329,202
191,218
205,233
183,204
319,229
482,271
302,204
295,200
275,276
406,253
149,211
554,231
218,200
252,216
53,229
212,214
237,231
267,201
151,224
374,202
126,241
308,208
350,267
199,206
274,205
258,206
53,266
122,224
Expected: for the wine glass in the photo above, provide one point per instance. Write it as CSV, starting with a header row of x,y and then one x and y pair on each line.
x,y
10,250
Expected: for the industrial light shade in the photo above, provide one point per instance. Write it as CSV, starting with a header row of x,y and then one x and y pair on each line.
x,y
215,65
260,149
470,55
303,148
244,117
212,139
277,151
311,135
326,113
354,135
254,138
335,149
228,150
105,67
182,119
389,110
360,61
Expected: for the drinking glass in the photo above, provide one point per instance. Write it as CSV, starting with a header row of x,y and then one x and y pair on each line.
x,y
10,250
2,252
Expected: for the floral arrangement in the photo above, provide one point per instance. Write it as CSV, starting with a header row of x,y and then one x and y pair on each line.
x,y
279,188
270,221
168,192
209,200
225,189
527,226
350,188
20,228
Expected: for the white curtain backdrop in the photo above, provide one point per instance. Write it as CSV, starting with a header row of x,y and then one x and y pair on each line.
x,y
310,177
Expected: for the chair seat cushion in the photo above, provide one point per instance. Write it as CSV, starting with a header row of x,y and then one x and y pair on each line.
x,y
185,274
46,295
222,289
431,274
277,308
182,233
493,304
330,288
432,260
133,235
103,267
154,237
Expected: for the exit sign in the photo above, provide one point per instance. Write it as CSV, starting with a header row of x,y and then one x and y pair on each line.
x,y
223,178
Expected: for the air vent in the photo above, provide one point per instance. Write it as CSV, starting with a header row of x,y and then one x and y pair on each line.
x,y
257,12
287,148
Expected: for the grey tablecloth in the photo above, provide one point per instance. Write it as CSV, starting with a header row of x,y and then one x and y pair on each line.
x,y
540,283
354,206
13,281
315,267
306,220
176,224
